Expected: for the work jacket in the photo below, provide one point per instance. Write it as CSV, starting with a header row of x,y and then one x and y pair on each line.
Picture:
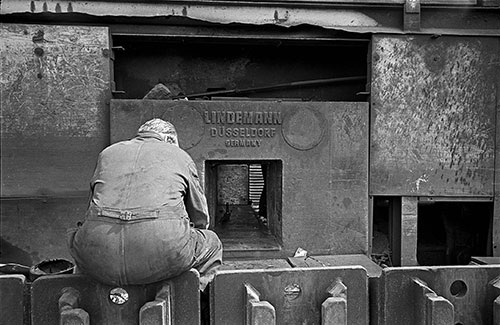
x,y
145,200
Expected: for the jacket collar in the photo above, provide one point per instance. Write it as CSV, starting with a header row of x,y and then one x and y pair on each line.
x,y
149,134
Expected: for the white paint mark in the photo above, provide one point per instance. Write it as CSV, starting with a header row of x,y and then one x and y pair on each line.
x,y
424,178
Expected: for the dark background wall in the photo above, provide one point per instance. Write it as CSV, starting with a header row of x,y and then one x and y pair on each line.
x,y
195,66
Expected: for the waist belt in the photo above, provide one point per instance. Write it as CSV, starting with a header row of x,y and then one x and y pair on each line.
x,y
127,215
138,214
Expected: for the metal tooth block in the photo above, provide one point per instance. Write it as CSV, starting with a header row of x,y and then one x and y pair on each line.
x,y
374,271
258,312
159,311
334,308
69,313
12,299
297,294
432,309
109,305
495,283
437,295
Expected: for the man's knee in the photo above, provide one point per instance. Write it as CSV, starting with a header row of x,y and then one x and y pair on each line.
x,y
209,248
212,239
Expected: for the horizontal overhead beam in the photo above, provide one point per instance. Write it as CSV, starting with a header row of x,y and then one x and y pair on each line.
x,y
454,17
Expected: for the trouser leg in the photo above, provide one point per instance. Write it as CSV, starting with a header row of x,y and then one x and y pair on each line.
x,y
208,255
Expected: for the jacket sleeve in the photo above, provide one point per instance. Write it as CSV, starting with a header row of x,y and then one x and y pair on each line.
x,y
195,200
93,180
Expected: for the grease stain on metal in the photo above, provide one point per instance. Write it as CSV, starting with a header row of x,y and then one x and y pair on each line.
x,y
433,112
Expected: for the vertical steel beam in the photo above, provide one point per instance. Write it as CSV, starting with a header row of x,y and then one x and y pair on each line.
x,y
496,188
395,230
409,220
159,311
258,312
411,21
334,308
69,313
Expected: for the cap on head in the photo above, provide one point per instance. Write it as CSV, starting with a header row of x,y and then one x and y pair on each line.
x,y
166,129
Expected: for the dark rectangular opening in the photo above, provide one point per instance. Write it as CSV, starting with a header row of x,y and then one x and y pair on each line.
x,y
244,200
451,232
286,69
385,248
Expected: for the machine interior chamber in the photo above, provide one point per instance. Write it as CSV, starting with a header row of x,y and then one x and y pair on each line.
x,y
244,199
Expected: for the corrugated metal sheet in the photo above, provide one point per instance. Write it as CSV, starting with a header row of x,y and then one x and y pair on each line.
x,y
256,184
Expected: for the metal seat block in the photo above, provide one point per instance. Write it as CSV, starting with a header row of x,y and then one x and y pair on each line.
x,y
106,304
427,295
12,299
296,294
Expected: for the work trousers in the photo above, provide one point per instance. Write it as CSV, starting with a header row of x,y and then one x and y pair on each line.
x,y
208,255
143,251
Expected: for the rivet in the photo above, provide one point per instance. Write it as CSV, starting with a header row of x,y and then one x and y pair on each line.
x,y
118,296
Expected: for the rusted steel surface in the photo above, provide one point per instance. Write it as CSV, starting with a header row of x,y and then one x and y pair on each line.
x,y
468,288
322,199
382,16
54,84
296,294
232,186
433,115
107,306
243,13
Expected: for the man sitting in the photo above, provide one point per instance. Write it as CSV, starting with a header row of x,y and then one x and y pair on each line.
x,y
147,218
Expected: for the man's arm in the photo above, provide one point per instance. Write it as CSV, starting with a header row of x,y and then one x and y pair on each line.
x,y
195,200
95,177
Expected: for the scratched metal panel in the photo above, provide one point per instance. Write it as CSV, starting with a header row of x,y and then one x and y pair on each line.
x,y
323,147
433,115
54,86
295,293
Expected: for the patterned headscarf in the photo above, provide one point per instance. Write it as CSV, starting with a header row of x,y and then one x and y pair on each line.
x,y
162,127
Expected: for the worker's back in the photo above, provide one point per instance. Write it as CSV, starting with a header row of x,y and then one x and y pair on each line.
x,y
137,229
